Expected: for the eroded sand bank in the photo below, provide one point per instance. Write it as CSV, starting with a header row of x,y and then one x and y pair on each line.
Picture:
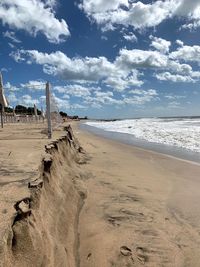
x,y
41,197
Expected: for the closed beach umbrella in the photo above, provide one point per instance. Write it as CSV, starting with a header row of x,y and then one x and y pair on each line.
x,y
3,100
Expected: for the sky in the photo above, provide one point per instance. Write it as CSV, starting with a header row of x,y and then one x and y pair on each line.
x,y
104,59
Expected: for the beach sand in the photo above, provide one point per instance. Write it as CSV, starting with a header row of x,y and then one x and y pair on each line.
x,y
142,207
108,204
40,196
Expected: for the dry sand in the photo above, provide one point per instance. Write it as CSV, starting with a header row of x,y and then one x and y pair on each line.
x,y
40,197
142,207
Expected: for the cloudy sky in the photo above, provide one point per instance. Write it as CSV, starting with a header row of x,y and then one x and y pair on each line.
x,y
104,59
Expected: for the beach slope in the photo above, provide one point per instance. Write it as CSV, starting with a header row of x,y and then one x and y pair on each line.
x,y
141,209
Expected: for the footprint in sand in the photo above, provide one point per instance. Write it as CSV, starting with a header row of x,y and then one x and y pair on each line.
x,y
89,255
140,251
125,251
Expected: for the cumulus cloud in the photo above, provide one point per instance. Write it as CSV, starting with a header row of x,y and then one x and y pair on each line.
x,y
86,69
147,59
11,88
187,53
167,76
34,85
140,15
12,98
137,14
28,100
124,71
137,58
160,44
92,6
150,92
33,16
179,42
76,90
190,10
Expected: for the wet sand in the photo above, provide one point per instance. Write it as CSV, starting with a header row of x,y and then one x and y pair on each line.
x,y
142,207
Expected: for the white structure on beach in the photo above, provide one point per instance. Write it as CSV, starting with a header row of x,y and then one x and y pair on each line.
x,y
3,100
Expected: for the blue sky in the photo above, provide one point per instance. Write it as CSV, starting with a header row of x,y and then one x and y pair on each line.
x,y
104,59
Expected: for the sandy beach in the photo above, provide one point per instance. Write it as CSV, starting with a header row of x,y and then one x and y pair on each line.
x,y
40,199
87,201
142,207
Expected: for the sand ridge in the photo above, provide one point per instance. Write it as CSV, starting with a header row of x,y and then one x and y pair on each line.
x,y
40,212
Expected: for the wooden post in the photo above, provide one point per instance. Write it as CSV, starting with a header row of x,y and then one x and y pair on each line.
x,y
48,110
1,110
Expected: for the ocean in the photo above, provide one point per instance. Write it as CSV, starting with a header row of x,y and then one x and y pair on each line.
x,y
177,135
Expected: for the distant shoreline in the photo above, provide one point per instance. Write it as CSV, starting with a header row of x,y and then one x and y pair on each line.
x,y
137,118
129,139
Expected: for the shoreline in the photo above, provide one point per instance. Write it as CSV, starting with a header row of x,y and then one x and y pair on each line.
x,y
141,201
128,139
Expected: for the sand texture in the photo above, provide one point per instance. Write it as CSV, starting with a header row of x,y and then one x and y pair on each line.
x,y
142,207
86,201
41,197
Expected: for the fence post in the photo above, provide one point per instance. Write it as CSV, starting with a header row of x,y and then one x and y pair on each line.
x,y
1,111
48,110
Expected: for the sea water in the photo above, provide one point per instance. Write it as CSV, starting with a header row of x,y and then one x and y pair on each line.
x,y
181,133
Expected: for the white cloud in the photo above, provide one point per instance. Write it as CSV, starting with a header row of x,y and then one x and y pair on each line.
x,y
187,53
141,97
167,76
11,88
86,69
92,6
12,45
105,38
74,90
191,10
34,85
120,82
130,37
58,103
179,42
157,61
33,16
122,73
28,100
160,44
174,104
78,106
137,14
12,98
150,92
50,3
139,100
11,36
137,58
140,15
102,98
174,97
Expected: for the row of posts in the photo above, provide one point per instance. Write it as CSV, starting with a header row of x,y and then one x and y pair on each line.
x,y
26,118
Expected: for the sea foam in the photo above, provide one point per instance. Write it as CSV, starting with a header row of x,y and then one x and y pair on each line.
x,y
179,132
